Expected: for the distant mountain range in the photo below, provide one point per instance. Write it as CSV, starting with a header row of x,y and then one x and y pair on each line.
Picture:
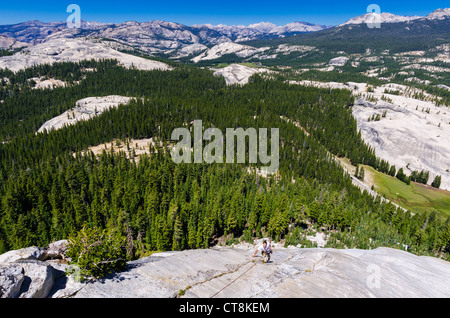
x,y
396,34
153,36
386,17
168,37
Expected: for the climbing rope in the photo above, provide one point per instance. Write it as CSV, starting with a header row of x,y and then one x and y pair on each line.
x,y
233,280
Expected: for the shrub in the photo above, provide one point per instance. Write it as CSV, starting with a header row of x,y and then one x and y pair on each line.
x,y
97,252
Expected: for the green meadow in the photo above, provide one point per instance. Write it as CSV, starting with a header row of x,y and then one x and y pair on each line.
x,y
416,197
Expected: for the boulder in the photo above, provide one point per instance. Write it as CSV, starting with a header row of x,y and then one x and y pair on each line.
x,y
28,253
24,274
66,285
39,279
11,279
56,250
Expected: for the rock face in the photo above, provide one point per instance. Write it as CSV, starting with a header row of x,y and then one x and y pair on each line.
x,y
84,109
219,50
74,50
28,253
222,49
232,272
11,279
10,43
28,273
56,250
238,74
413,135
293,272
338,61
39,279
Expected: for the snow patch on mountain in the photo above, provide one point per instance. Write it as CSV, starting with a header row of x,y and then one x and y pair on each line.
x,y
240,33
386,17
383,17
298,27
439,14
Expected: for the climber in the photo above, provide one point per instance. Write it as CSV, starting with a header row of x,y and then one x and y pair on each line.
x,y
265,250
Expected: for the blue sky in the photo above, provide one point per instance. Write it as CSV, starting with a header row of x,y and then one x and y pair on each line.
x,y
227,12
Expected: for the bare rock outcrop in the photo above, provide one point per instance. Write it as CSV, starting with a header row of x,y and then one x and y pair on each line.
x,y
238,74
232,272
293,272
30,272
74,50
11,279
28,253
39,279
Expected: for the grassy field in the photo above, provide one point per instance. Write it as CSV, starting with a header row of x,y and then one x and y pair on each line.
x,y
416,197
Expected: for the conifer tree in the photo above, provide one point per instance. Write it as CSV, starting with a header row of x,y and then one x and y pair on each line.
x,y
436,182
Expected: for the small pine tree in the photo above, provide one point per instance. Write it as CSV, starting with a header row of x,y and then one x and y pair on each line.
x,y
392,171
408,180
401,175
436,182
361,173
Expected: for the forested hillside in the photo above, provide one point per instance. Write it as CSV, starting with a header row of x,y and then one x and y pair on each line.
x,y
49,190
